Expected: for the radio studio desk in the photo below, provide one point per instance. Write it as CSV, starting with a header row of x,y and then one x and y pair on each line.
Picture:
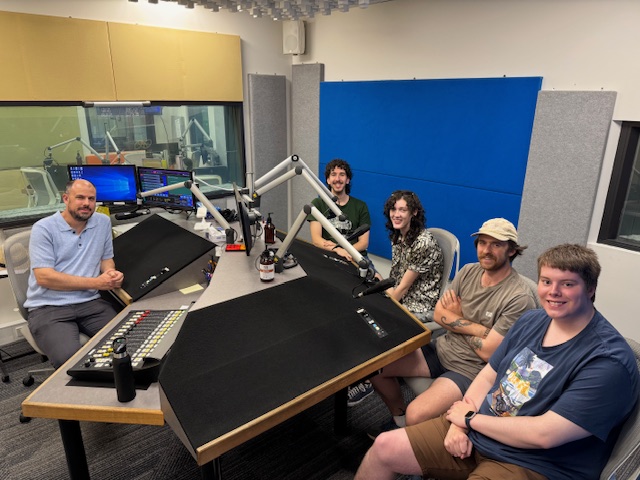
x,y
296,341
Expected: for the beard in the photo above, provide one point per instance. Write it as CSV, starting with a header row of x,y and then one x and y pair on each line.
x,y
81,215
496,265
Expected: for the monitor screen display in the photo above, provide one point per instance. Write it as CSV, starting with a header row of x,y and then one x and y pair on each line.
x,y
151,178
114,183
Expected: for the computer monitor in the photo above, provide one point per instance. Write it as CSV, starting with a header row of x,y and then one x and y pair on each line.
x,y
244,219
115,184
179,199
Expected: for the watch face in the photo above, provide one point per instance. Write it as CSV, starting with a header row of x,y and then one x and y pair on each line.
x,y
469,414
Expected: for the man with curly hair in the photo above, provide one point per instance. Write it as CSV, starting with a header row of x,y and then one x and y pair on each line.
x,y
338,175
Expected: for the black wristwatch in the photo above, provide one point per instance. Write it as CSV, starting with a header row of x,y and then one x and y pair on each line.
x,y
467,418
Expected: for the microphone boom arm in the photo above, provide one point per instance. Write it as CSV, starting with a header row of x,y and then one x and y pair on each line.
x,y
362,262
229,232
78,139
261,186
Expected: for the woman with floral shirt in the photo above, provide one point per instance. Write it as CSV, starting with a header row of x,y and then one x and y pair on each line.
x,y
416,257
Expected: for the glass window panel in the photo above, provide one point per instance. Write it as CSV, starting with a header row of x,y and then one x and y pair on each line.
x,y
629,230
37,142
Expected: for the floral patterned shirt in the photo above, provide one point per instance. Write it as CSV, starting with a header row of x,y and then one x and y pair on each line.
x,y
425,258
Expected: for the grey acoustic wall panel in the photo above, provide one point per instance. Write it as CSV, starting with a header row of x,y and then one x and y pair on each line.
x,y
268,138
305,131
567,145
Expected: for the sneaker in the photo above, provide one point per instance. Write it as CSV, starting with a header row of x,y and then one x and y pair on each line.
x,y
385,427
359,392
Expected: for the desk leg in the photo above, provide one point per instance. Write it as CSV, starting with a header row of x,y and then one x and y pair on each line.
x,y
340,412
74,449
211,470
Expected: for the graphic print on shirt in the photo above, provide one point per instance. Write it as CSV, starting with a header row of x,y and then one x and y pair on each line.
x,y
344,227
519,384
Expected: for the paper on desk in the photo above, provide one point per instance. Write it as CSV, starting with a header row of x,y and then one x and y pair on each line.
x,y
191,289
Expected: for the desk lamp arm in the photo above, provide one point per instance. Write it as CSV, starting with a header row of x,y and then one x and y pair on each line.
x,y
229,232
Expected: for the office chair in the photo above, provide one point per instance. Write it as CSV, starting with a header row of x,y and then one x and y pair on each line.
x,y
624,461
16,253
533,286
450,247
40,186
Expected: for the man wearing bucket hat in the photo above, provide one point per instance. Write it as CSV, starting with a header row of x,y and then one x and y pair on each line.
x,y
484,301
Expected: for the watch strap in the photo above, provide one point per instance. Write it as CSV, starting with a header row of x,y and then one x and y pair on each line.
x,y
467,419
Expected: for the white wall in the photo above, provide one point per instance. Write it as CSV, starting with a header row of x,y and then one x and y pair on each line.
x,y
574,45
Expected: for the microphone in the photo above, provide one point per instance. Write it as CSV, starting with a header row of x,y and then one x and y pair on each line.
x,y
364,228
381,286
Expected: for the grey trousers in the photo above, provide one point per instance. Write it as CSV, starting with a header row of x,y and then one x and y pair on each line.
x,y
56,329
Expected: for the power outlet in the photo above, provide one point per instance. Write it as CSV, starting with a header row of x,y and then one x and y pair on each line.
x,y
19,333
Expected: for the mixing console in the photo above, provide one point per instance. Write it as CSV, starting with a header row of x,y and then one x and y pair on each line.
x,y
149,335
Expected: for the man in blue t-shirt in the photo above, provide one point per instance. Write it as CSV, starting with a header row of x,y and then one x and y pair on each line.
x,y
549,404
71,254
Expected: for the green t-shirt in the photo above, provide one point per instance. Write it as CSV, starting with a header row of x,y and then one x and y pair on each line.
x,y
355,211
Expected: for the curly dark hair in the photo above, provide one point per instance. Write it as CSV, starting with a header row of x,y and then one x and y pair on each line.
x,y
418,216
342,164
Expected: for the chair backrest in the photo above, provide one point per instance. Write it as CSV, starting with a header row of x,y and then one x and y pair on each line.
x,y
16,256
450,250
41,184
534,289
624,462
18,263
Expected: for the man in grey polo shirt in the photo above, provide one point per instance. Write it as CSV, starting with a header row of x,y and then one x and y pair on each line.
x,y
71,256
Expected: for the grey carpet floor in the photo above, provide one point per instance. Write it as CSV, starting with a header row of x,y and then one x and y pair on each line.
x,y
304,447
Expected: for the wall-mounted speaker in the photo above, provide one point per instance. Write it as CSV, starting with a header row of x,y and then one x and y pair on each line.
x,y
293,37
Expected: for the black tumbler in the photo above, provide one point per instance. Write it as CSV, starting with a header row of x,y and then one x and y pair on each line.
x,y
122,371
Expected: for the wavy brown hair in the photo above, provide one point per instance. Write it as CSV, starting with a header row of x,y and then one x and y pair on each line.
x,y
418,216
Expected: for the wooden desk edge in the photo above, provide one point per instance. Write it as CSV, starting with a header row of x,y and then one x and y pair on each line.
x,y
226,442
134,416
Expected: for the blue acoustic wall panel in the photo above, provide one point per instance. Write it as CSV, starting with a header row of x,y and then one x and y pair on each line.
x,y
461,145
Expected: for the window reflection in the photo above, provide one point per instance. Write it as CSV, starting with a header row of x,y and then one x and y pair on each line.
x,y
38,142
621,218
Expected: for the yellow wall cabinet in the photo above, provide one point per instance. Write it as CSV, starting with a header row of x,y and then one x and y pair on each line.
x,y
64,59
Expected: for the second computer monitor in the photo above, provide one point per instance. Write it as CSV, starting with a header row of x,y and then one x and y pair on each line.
x,y
179,199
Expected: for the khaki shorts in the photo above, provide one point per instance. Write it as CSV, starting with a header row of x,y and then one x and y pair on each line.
x,y
427,442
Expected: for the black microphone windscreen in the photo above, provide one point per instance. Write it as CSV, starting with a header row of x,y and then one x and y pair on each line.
x,y
381,286
362,229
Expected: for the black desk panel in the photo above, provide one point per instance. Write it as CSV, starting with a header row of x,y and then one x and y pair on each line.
x,y
279,343
153,251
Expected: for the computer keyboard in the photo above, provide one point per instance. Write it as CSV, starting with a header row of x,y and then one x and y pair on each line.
x,y
149,333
